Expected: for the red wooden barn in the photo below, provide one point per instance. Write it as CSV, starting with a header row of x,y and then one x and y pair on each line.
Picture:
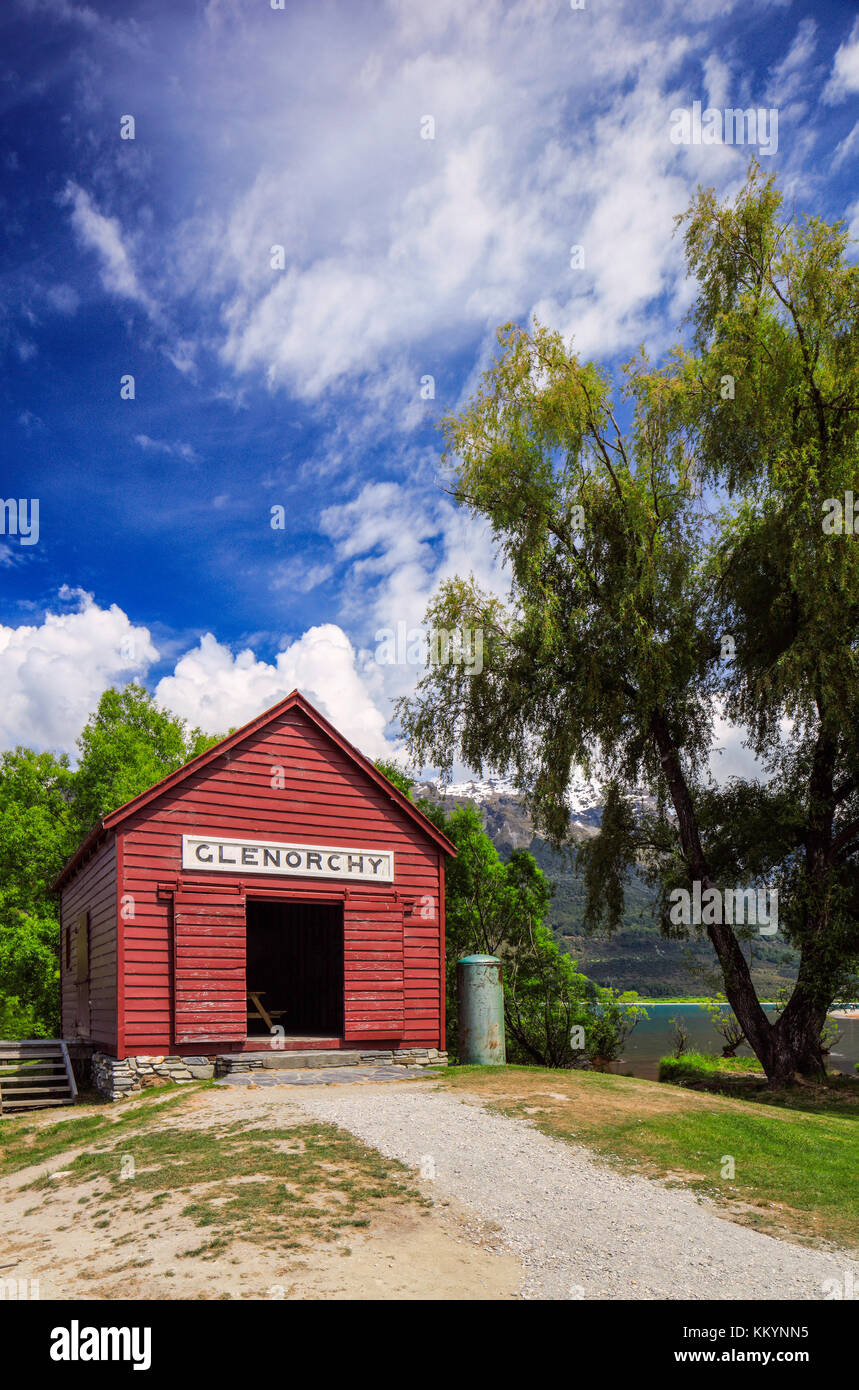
x,y
275,891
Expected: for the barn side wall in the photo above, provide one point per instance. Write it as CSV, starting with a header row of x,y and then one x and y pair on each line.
x,y
93,889
288,782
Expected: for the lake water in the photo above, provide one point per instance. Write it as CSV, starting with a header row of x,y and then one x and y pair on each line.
x,y
653,1037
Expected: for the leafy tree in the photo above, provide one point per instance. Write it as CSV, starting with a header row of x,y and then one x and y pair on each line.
x,y
493,907
19,1020
634,549
37,834
125,747
681,1036
29,974
46,808
726,1025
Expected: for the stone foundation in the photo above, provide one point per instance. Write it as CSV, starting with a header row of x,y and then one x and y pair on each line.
x,y
115,1077
279,1059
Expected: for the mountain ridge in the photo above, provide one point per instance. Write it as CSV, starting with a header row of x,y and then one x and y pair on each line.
x,y
637,956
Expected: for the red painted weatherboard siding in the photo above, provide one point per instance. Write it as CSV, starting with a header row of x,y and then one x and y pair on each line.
x,y
181,956
93,890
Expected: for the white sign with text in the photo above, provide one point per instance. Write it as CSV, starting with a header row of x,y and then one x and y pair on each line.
x,y
215,852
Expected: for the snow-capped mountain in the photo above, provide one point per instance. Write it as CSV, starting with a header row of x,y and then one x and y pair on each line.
x,y
504,815
503,812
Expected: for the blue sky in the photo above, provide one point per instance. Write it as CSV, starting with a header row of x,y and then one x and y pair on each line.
x,y
258,386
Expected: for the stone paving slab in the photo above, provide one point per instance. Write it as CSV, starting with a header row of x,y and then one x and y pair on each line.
x,y
325,1076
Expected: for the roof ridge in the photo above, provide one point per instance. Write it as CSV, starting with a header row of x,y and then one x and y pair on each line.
x,y
294,699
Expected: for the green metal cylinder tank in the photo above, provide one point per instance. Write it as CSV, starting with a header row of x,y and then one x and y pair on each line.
x,y
481,1010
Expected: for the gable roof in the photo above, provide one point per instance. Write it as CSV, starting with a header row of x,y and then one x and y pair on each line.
x,y
293,701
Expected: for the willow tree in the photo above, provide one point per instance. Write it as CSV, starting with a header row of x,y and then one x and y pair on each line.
x,y
673,563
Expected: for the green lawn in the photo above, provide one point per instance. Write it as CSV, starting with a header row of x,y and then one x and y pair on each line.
x,y
794,1170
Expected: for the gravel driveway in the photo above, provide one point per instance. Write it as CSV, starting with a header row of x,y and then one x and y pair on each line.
x,y
580,1229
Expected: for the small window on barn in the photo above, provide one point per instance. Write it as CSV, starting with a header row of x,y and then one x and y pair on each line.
x,y
68,947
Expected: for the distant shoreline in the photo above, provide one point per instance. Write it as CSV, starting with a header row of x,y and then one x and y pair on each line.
x,y
765,1003
671,1003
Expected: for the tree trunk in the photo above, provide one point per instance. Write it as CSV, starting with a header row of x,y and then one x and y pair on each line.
x,y
797,1033
739,987
796,1046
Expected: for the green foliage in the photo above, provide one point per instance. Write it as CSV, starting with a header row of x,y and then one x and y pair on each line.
x,y
19,1020
125,747
46,809
400,779
606,861
633,551
30,972
37,827
37,833
692,1066
726,1024
497,907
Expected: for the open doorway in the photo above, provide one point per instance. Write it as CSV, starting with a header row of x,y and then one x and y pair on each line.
x,y
295,969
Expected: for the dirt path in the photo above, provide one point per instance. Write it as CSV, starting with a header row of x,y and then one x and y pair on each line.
x,y
73,1250
513,1213
580,1228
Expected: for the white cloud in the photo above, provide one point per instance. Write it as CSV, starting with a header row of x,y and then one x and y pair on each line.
x,y
847,147
162,446
104,236
63,298
551,129
788,76
300,576
852,217
53,675
399,249
844,78
214,689
397,545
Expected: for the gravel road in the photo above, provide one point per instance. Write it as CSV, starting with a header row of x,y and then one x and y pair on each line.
x,y
579,1228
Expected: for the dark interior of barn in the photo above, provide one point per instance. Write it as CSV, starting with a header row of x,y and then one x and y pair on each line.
x,y
295,969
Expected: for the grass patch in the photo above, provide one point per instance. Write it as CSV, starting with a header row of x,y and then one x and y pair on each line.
x,y
23,1142
692,1066
744,1077
266,1186
794,1169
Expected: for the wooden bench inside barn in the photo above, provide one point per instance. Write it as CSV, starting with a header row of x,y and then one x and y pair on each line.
x,y
259,1011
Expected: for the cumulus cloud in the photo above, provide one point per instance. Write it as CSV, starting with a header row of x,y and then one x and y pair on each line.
x,y
52,675
216,690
